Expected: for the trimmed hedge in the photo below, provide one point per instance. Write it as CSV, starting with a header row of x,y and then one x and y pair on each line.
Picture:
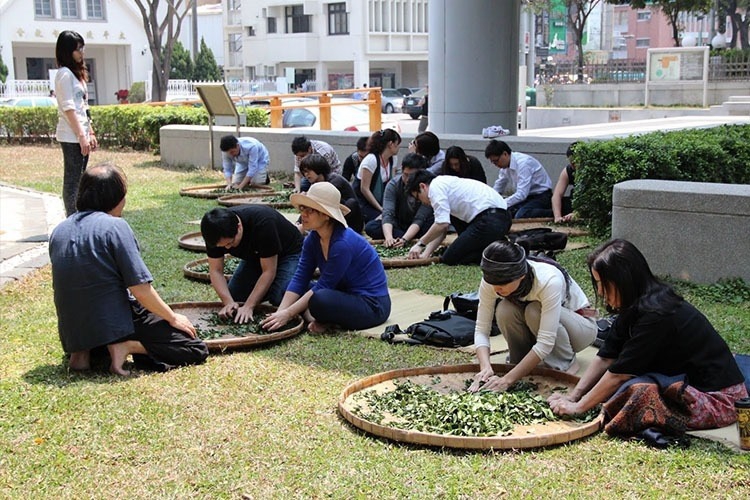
x,y
719,154
132,126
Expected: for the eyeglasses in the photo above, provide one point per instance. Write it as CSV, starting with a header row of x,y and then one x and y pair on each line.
x,y
307,210
81,49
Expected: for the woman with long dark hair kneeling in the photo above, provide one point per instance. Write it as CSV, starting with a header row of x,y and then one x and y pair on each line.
x,y
663,367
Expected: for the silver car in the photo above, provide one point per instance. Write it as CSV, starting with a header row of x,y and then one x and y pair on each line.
x,y
392,101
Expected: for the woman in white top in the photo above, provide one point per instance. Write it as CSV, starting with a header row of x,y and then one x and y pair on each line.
x,y
74,132
375,171
543,315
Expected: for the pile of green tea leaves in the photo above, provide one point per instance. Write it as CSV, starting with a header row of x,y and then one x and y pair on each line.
x,y
417,407
230,266
216,327
280,197
401,253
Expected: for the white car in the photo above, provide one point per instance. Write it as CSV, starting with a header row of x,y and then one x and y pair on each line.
x,y
351,118
29,102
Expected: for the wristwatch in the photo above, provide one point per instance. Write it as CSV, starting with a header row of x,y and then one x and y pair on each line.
x,y
420,244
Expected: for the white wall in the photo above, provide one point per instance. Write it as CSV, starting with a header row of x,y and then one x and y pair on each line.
x,y
210,28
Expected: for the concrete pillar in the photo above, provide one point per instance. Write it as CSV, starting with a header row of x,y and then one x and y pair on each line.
x,y
361,73
473,72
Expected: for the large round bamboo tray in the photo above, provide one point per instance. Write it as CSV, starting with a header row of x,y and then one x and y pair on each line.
x,y
398,262
192,241
189,273
195,310
206,191
451,378
232,200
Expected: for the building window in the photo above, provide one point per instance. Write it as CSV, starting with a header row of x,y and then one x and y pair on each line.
x,y
251,31
271,25
643,42
338,20
69,9
235,42
234,4
296,20
644,15
43,8
94,9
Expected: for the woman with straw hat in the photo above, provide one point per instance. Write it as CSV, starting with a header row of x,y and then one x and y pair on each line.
x,y
352,291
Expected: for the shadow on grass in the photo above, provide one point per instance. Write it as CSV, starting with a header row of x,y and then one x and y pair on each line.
x,y
61,376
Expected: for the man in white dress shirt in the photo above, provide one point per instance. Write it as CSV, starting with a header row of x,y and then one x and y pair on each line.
x,y
476,211
533,186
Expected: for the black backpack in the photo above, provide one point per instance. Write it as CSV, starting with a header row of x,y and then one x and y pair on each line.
x,y
441,329
540,240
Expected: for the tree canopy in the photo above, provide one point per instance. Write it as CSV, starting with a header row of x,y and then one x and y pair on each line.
x,y
206,68
182,63
162,20
672,9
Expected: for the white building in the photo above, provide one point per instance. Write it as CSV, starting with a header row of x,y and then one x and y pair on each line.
x,y
383,43
210,29
116,44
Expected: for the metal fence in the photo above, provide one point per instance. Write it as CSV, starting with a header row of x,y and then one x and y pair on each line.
x,y
19,88
735,66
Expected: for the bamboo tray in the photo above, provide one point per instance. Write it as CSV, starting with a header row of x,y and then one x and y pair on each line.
x,y
205,191
195,310
452,377
232,200
399,262
189,273
192,241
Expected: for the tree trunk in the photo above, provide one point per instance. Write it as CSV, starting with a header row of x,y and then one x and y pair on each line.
x,y
740,25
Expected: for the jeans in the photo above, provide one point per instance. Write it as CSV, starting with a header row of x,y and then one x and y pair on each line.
x,y
247,273
75,163
350,312
535,205
490,225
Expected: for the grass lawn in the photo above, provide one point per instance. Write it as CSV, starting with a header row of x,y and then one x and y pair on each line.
x,y
263,422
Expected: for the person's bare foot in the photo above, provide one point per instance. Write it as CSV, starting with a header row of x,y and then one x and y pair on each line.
x,y
80,360
119,353
316,327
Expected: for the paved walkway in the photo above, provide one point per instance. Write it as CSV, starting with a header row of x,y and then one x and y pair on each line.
x,y
26,219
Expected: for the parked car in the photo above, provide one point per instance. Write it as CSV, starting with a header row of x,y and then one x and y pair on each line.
x,y
411,104
392,101
352,118
406,91
29,101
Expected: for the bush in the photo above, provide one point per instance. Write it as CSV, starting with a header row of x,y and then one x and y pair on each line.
x,y
22,124
132,126
256,117
720,154
137,92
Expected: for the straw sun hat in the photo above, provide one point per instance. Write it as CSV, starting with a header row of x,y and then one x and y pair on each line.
x,y
323,197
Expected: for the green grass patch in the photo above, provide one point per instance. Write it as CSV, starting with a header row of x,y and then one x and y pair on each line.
x,y
263,421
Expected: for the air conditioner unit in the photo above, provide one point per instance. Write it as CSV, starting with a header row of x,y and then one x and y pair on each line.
x,y
260,70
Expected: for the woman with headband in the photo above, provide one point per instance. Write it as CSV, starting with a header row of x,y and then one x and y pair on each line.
x,y
544,315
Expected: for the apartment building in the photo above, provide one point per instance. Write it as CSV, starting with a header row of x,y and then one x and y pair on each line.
x,y
339,45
